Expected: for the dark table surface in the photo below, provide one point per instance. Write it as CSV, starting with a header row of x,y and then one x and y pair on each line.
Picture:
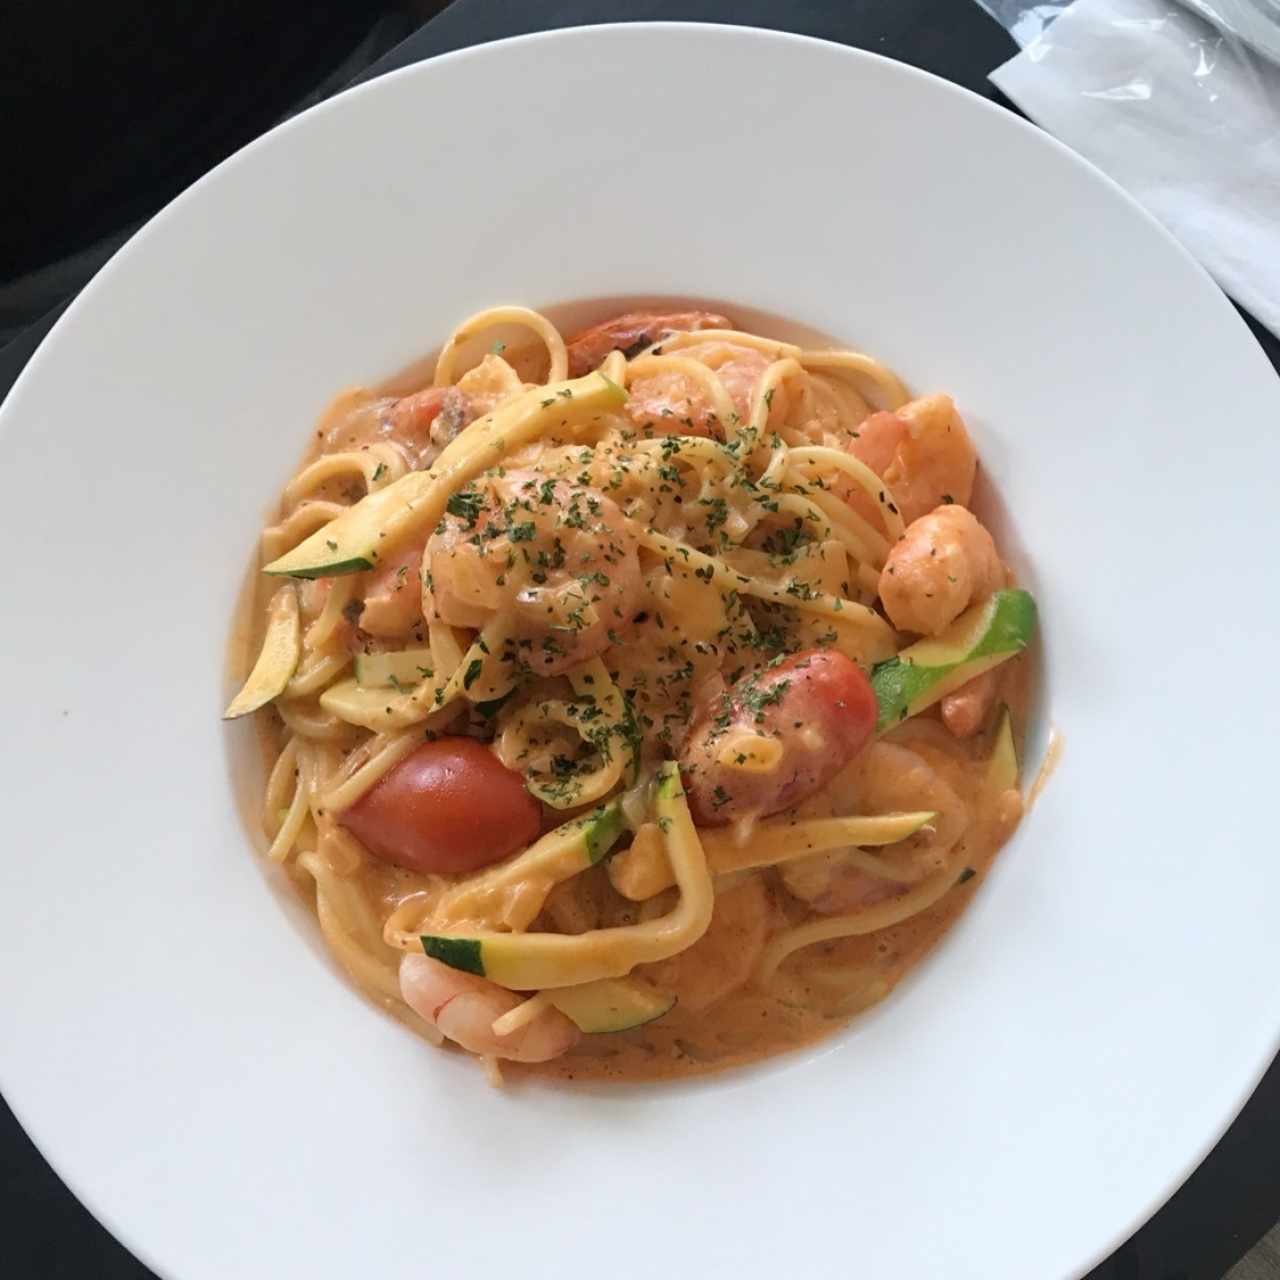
x,y
1234,1196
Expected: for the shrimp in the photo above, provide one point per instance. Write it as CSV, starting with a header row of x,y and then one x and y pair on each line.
x,y
392,607
723,959
419,424
555,554
632,332
922,452
463,1008
945,562
427,420
671,402
965,711
491,383
883,779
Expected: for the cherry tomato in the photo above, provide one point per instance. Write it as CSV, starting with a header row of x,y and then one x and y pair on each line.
x,y
815,711
451,806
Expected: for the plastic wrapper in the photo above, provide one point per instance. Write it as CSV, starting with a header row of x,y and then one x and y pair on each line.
x,y
1256,23
1179,102
1024,22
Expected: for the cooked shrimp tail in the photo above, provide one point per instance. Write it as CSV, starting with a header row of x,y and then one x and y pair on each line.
x,y
463,1008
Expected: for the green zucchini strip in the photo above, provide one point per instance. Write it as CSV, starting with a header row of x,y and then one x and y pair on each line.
x,y
982,637
278,659
364,533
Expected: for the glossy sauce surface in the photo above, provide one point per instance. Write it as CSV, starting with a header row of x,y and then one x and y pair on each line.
x,y
724,1016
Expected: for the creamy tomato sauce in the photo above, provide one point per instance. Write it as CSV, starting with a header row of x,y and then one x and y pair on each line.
x,y
819,989
735,565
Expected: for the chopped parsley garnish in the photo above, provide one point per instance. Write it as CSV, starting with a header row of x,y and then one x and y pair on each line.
x,y
717,513
756,700
489,709
784,543
466,504
801,590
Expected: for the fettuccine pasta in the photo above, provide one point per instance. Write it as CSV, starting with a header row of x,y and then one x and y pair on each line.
x,y
637,702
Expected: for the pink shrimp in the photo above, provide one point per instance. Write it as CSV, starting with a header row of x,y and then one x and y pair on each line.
x,y
392,607
632,332
553,553
672,403
428,419
922,452
464,1007
419,424
965,711
945,562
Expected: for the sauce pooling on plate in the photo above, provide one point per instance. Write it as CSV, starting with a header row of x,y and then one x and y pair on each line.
x,y
637,703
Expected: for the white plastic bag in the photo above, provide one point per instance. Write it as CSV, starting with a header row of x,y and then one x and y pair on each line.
x,y
1179,102
1024,22
1254,22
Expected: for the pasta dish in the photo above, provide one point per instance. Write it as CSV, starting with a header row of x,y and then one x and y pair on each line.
x,y
638,703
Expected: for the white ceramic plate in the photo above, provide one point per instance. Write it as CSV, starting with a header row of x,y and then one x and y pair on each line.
x,y
174,1037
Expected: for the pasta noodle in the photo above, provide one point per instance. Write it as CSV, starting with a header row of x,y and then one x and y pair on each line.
x,y
595,706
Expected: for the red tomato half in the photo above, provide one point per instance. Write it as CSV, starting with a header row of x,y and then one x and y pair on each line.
x,y
817,705
451,806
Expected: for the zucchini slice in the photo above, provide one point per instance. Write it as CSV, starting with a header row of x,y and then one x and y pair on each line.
x,y
1002,766
351,701
396,670
612,1004
358,538
278,660
980,638
536,961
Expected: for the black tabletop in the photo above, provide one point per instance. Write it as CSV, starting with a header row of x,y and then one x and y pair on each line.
x,y
1234,1196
